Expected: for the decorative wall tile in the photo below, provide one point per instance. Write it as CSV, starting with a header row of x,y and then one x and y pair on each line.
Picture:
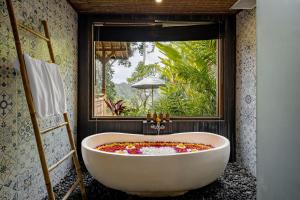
x,y
246,89
20,171
5,104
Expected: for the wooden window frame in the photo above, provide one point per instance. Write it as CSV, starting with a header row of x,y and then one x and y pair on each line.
x,y
219,93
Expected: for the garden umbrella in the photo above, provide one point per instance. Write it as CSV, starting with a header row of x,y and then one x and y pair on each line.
x,y
149,83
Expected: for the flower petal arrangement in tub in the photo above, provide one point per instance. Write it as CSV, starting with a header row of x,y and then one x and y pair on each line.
x,y
152,148
150,166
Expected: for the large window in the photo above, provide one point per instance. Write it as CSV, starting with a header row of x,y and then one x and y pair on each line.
x,y
179,77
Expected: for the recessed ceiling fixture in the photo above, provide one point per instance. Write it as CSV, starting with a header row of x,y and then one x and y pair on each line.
x,y
158,1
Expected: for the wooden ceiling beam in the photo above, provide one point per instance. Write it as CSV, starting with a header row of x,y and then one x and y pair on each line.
x,y
150,7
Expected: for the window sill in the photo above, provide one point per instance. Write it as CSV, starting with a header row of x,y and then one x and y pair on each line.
x,y
116,118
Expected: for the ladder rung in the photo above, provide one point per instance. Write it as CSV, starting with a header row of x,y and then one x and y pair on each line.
x,y
61,160
55,127
71,190
33,32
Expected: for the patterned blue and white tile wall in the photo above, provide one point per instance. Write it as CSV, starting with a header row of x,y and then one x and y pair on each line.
x,y
20,172
246,89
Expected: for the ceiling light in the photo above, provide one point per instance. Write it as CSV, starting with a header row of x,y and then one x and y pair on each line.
x,y
158,1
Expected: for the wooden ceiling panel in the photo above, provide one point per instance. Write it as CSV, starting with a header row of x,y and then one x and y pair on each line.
x,y
151,7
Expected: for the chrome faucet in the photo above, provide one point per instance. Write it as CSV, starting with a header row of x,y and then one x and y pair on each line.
x,y
157,126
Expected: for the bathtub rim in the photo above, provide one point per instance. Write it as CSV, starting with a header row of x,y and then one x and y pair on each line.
x,y
84,144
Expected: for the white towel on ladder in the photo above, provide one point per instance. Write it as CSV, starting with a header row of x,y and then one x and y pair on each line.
x,y
47,87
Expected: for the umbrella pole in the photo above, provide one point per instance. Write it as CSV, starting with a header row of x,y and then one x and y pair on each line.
x,y
152,98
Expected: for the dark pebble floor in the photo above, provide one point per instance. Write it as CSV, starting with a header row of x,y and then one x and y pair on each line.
x,y
236,183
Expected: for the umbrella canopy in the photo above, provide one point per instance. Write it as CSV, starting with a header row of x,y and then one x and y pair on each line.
x,y
149,83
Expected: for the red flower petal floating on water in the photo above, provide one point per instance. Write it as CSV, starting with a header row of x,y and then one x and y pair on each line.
x,y
135,147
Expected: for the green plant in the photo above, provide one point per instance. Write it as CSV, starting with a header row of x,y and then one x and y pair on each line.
x,y
189,68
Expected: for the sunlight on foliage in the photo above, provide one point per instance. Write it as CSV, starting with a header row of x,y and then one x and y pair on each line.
x,y
189,69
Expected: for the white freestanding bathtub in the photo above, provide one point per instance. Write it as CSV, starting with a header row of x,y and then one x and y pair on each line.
x,y
156,175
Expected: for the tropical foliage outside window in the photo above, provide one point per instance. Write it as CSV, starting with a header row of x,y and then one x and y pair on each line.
x,y
189,70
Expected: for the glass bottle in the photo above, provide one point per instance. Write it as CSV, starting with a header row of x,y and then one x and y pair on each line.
x,y
154,116
167,117
148,116
161,116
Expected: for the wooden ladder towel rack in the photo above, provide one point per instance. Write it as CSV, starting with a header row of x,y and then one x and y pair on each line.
x,y
33,116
